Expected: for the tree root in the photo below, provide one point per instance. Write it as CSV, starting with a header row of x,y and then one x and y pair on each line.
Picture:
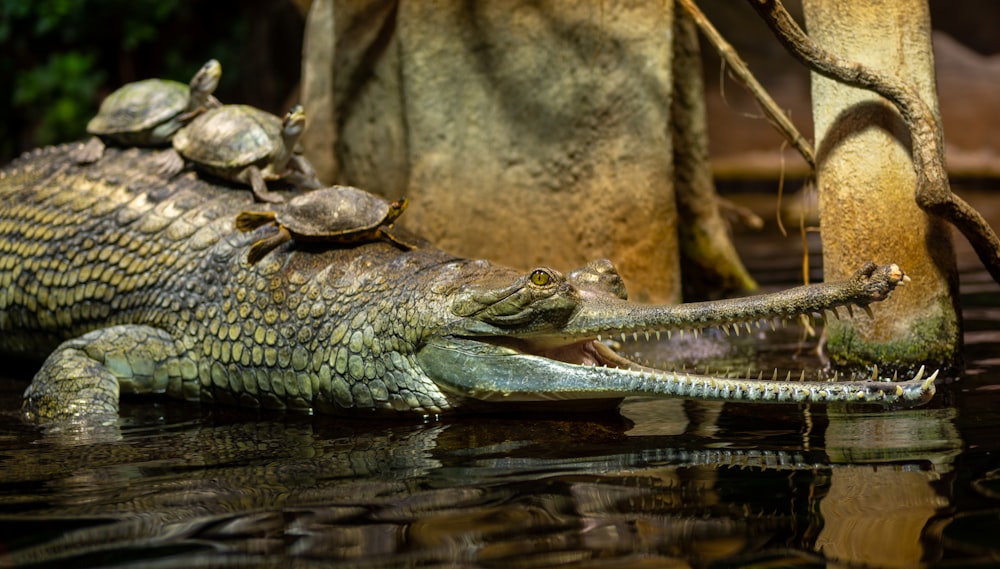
x,y
932,193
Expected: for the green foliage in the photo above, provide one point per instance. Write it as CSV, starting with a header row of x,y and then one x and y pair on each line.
x,y
60,58
57,95
58,51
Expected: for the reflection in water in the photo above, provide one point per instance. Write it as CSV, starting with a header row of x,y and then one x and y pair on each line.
x,y
224,488
866,504
895,495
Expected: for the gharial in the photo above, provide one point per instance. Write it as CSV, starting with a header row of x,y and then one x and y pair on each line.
x,y
131,283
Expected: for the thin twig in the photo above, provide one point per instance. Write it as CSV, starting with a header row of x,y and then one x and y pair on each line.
x,y
742,73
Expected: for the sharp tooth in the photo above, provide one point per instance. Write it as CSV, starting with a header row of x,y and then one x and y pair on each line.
x,y
802,376
736,329
749,329
850,311
895,375
930,380
774,376
920,374
725,329
695,332
757,324
670,334
680,333
868,311
836,315
789,376
599,338
749,370
647,336
635,336
624,338
875,374
657,335
760,375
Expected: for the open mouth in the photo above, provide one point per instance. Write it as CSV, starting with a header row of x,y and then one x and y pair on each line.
x,y
585,352
782,354
522,369
573,362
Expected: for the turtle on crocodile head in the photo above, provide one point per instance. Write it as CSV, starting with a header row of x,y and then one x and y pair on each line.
x,y
149,112
338,215
244,144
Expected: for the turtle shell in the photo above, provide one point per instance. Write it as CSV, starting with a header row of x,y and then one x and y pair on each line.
x,y
333,212
139,107
230,137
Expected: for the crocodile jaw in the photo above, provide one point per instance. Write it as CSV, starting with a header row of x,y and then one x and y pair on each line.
x,y
507,370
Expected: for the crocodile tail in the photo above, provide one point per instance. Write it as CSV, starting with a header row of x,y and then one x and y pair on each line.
x,y
250,220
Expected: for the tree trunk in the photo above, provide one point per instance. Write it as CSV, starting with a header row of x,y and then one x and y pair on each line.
x,y
866,182
524,132
709,261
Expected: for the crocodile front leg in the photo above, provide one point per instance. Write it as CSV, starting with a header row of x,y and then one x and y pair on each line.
x,y
82,379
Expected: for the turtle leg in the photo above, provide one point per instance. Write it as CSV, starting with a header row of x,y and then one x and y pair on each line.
x,y
90,151
168,163
188,116
392,238
250,220
301,173
252,175
81,380
264,246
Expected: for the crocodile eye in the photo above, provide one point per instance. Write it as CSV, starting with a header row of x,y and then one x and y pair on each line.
x,y
540,277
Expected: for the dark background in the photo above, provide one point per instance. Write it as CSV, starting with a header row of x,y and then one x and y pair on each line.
x,y
60,58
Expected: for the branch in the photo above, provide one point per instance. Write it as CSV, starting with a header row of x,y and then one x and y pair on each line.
x,y
933,193
742,73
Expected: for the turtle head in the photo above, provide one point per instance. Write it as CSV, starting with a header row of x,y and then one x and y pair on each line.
x,y
292,127
396,209
294,124
206,79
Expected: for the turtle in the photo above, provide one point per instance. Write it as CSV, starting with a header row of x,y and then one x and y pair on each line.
x,y
244,144
337,214
149,112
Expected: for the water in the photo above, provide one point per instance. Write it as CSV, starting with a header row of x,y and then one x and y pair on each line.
x,y
665,483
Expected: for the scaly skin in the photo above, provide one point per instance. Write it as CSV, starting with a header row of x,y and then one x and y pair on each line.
x,y
132,283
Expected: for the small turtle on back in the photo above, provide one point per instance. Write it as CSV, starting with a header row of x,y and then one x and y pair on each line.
x,y
336,215
149,112
244,144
